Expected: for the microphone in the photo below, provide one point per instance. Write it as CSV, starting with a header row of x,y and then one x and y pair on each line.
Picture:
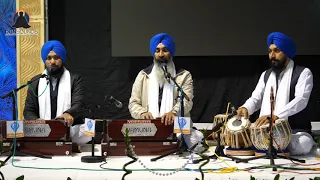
x,y
214,129
113,100
233,112
43,76
165,70
49,71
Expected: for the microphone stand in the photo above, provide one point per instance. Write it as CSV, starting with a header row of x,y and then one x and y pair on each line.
x,y
271,152
12,94
14,91
219,149
182,144
93,158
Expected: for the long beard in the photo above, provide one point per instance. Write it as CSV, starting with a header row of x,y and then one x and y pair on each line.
x,y
159,71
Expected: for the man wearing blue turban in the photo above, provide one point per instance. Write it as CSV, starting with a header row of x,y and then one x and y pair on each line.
x,y
155,96
60,95
292,86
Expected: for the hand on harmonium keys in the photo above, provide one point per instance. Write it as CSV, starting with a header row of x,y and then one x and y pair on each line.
x,y
147,115
168,118
263,120
67,117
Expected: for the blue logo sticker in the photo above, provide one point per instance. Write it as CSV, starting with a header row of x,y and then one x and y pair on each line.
x,y
89,124
14,126
182,122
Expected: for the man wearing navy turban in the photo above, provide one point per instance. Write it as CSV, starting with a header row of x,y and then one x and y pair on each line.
x,y
60,95
153,95
292,85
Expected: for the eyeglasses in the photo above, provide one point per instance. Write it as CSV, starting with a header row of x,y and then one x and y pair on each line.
x,y
54,57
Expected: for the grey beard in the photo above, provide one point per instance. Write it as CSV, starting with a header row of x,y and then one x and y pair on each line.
x,y
159,72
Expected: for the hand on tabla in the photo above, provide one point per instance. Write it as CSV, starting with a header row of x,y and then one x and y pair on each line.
x,y
242,112
263,120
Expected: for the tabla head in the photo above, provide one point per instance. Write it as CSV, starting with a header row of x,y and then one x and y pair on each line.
x,y
238,124
238,134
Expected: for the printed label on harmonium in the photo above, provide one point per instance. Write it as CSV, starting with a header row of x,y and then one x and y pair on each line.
x,y
139,129
34,122
36,130
138,121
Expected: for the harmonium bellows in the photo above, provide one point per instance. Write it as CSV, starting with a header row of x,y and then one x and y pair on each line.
x,y
148,137
45,137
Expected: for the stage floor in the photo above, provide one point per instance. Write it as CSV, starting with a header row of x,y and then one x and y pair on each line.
x,y
62,167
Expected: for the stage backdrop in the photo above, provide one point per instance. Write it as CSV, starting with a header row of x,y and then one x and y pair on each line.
x,y
20,49
8,65
213,27
85,29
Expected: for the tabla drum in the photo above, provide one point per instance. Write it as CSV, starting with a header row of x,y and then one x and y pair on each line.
x,y
237,137
281,134
220,118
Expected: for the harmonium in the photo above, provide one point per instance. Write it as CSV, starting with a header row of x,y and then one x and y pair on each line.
x,y
44,137
147,137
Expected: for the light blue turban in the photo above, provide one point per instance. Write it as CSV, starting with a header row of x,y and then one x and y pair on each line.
x,y
166,40
283,42
55,46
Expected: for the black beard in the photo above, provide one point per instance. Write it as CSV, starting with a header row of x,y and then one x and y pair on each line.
x,y
56,73
278,66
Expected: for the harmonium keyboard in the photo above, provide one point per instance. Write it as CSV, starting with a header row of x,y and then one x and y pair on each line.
x,y
45,137
148,137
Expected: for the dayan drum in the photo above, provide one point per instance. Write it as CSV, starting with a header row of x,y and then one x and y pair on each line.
x,y
281,134
238,133
237,136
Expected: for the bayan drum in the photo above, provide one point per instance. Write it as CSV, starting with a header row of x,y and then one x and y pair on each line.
x,y
281,134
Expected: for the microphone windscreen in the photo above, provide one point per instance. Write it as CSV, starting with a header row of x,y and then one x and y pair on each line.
x,y
49,69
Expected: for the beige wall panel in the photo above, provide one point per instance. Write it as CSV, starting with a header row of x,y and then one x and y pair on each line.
x,y
29,62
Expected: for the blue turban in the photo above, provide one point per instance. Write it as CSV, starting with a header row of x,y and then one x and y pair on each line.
x,y
166,40
283,42
55,46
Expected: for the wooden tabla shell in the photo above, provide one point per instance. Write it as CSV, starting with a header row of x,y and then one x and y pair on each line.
x,y
281,133
220,118
238,133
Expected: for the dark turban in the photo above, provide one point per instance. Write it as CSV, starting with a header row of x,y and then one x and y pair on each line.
x,y
166,40
54,46
283,42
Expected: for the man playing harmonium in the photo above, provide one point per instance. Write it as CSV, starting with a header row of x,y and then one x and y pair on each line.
x,y
292,86
153,97
60,96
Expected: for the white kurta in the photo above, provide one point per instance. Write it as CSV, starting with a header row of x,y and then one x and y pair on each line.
x,y
302,93
301,142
